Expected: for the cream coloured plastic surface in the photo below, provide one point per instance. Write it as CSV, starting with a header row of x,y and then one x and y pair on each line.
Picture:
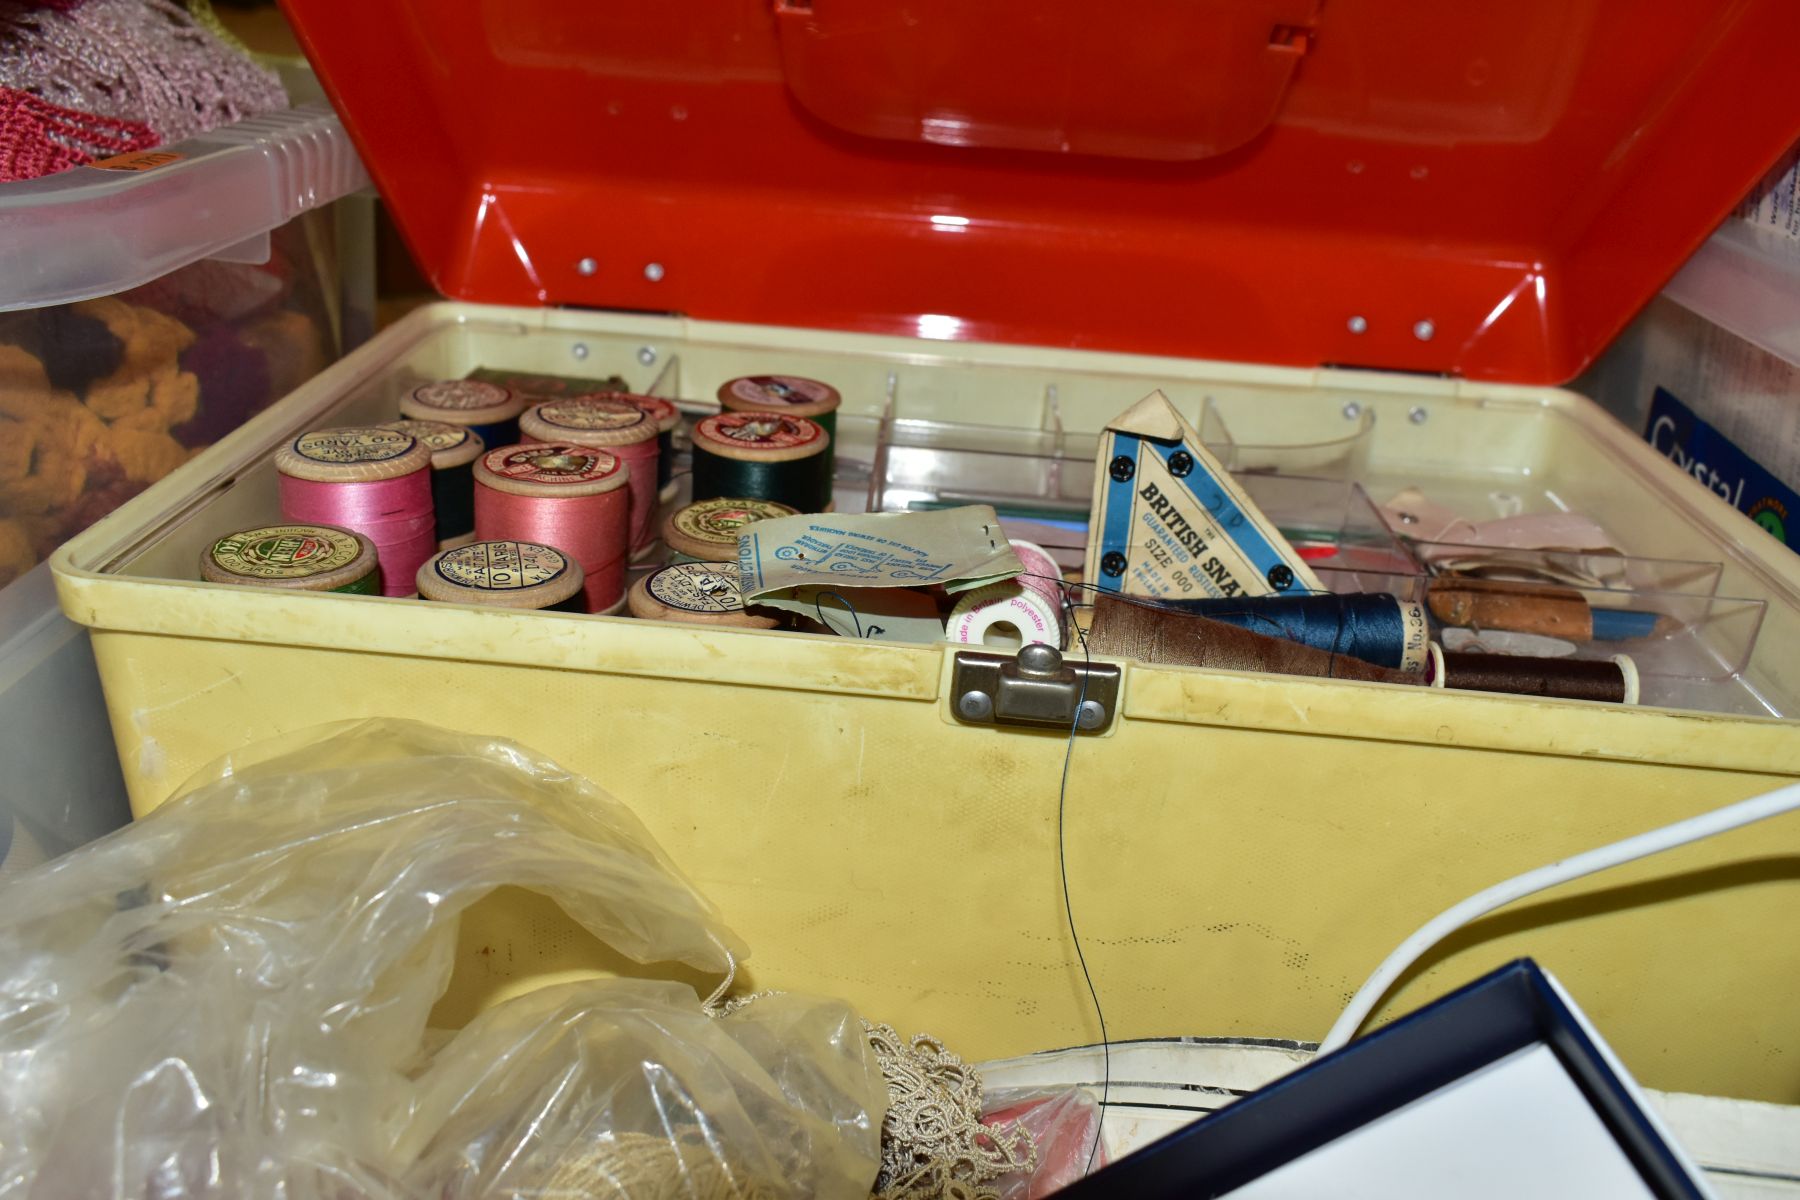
x,y
1242,850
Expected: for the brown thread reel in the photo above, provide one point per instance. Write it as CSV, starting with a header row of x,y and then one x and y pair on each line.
x,y
1123,629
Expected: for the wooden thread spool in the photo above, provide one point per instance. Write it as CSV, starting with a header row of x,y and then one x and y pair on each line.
x,y
789,395
572,497
1514,607
696,593
516,575
707,530
667,418
490,409
373,480
619,428
766,456
454,449
1127,630
306,558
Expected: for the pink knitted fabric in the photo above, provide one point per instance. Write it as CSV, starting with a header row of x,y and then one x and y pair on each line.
x,y
134,61
40,138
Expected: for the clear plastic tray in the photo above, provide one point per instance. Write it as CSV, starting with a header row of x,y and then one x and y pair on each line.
x,y
92,231
901,447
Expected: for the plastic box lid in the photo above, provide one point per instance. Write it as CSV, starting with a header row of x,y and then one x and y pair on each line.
x,y
94,231
1483,190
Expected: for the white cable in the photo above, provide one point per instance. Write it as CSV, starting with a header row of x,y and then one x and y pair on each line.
x,y
1722,820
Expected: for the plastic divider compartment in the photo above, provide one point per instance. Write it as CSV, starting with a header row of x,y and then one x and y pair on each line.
x,y
1254,440
1575,568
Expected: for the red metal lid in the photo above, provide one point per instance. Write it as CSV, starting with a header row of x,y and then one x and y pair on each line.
x,y
1484,189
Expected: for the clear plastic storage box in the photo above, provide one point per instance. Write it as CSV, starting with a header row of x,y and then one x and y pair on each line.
x,y
144,314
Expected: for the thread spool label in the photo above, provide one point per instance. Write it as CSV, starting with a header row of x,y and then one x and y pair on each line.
x,y
461,395
1415,646
780,390
720,520
371,445
558,463
500,566
666,415
284,552
438,436
591,413
768,431
1035,618
697,587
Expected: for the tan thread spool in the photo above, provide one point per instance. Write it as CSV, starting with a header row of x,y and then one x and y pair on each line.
x,y
504,574
696,593
707,530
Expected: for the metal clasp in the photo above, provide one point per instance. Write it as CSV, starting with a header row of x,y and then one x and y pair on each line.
x,y
1037,688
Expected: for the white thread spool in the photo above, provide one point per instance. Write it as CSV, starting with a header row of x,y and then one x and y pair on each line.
x,y
1017,612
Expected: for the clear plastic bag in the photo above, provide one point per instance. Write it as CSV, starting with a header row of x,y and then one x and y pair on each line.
x,y
626,1089
1063,1127
229,998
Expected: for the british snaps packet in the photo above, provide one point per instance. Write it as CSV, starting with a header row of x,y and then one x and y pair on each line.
x,y
1169,521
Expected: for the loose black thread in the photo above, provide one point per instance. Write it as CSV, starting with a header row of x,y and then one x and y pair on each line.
x,y
1062,867
848,607
1062,805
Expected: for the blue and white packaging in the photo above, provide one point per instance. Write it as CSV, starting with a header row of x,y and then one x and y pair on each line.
x,y
1169,521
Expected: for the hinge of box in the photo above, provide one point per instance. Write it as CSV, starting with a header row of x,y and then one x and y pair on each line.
x,y
1038,689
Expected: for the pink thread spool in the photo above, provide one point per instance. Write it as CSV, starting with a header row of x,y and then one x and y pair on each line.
x,y
372,480
1031,604
575,498
619,427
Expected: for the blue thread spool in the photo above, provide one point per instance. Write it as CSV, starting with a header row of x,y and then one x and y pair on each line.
x,y
1373,626
488,409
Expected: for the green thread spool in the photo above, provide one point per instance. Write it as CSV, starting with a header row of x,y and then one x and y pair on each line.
x,y
305,558
790,395
504,574
763,456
